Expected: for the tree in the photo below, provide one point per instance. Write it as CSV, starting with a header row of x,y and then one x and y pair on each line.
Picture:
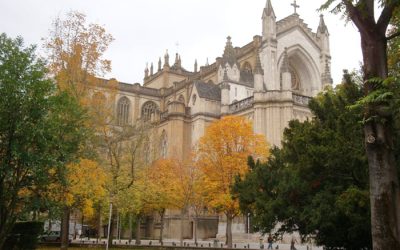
x,y
75,54
162,189
221,155
40,131
317,183
378,117
121,150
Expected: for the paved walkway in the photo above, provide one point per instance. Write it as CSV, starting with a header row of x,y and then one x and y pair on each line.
x,y
202,243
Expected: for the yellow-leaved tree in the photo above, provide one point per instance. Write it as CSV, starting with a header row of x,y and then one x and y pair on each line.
x,y
162,189
222,155
75,52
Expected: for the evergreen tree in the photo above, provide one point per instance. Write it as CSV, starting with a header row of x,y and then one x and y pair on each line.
x,y
318,182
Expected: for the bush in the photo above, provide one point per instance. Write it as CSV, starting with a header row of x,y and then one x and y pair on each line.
x,y
24,235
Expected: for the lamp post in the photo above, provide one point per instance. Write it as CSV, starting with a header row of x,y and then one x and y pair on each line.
x,y
109,224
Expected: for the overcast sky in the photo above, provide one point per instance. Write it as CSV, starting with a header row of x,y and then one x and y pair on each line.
x,y
144,29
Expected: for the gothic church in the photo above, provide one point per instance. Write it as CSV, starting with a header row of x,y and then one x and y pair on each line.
x,y
269,80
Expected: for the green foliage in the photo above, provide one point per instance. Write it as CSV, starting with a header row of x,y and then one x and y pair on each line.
x,y
317,183
24,235
40,131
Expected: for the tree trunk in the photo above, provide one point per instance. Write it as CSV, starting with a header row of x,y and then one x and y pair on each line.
x,y
138,221
162,213
112,221
65,228
182,226
195,229
130,228
74,225
229,219
98,220
384,184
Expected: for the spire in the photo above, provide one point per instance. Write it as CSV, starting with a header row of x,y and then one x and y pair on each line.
x,y
322,28
269,22
151,69
176,58
146,71
268,10
195,65
207,64
166,59
159,64
229,53
258,69
285,62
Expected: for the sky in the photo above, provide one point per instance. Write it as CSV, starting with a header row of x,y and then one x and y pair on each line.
x,y
197,29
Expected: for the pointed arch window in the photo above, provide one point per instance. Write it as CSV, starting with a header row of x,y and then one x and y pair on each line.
x,y
149,109
246,73
123,109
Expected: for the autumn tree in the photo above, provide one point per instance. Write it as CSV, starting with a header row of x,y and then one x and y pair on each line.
x,y
41,131
162,188
84,187
121,150
189,191
75,58
75,53
378,116
222,154
182,180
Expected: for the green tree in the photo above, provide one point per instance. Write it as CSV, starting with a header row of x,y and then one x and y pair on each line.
x,y
40,131
378,115
317,183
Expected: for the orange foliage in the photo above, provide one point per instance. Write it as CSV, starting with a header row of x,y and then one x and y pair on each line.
x,y
222,154
85,185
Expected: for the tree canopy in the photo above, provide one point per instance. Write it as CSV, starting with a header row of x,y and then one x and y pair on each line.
x,y
221,155
40,131
379,115
317,183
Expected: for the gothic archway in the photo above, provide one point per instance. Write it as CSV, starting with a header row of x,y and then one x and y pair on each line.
x,y
304,71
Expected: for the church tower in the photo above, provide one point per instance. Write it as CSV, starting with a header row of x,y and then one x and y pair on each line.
x,y
269,47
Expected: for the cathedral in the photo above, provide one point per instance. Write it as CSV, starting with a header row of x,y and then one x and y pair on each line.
x,y
269,80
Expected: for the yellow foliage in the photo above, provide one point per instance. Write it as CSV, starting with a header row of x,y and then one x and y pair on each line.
x,y
85,185
222,155
75,54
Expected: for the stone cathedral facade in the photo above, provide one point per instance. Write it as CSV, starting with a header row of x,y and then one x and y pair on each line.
x,y
269,80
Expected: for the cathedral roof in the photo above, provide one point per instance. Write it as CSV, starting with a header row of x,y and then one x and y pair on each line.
x,y
208,90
